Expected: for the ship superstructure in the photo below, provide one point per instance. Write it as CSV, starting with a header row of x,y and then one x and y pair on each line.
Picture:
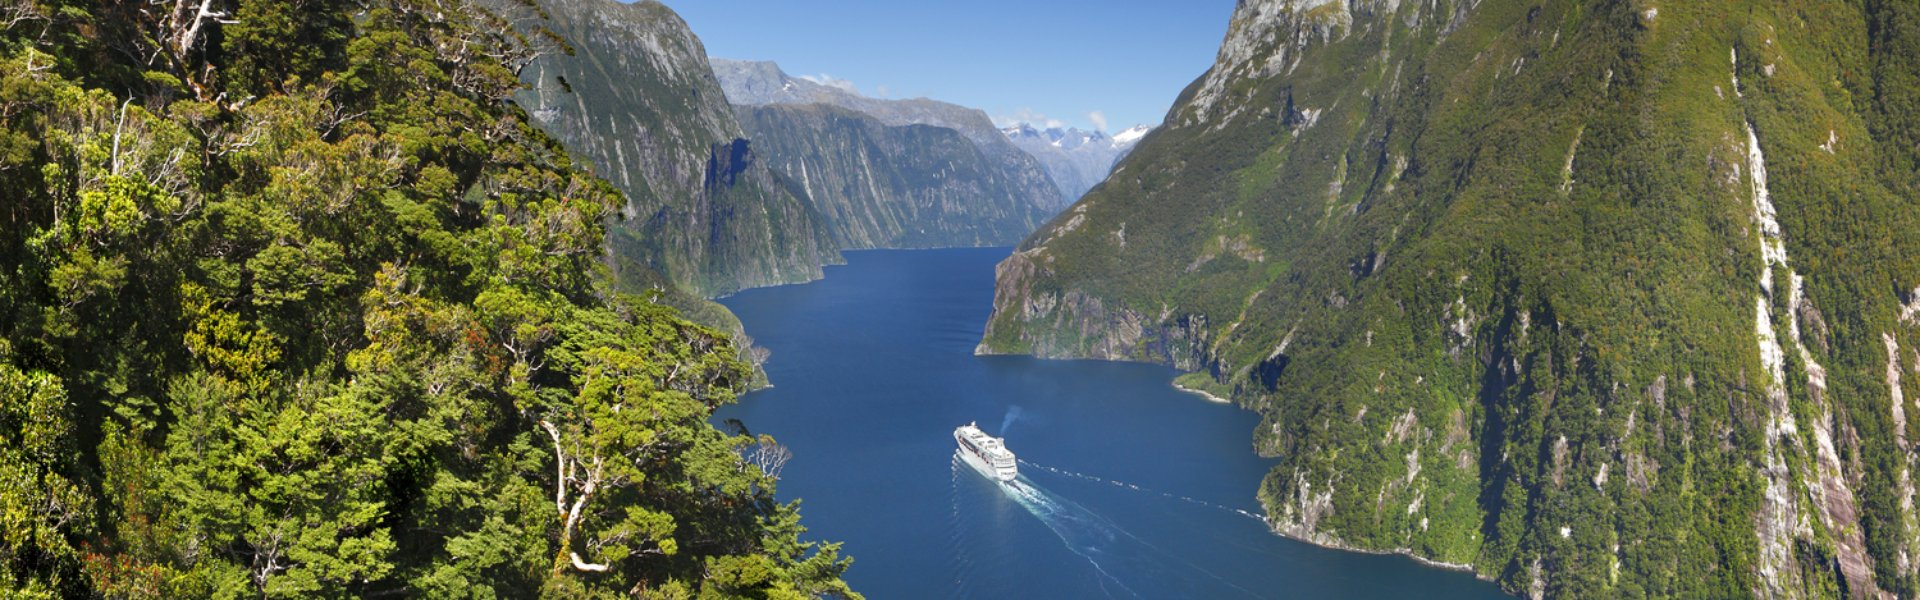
x,y
987,454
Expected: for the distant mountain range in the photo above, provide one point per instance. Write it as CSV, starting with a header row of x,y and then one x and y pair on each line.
x,y
755,83
760,83
897,186
715,204
1077,159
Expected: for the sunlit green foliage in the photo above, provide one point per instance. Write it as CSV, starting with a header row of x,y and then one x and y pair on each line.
x,y
295,303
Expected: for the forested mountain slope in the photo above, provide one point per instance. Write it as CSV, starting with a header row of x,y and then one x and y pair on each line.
x,y
636,98
295,303
881,186
1596,298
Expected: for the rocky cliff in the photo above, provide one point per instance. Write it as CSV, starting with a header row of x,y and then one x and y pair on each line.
x,y
637,99
1594,298
881,186
758,83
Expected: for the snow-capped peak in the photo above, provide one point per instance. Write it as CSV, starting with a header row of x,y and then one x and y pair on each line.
x,y
1077,159
1068,138
1020,130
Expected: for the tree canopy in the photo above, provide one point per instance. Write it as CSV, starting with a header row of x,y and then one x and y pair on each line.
x,y
294,302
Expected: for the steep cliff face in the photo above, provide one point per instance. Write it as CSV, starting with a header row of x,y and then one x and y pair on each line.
x,y
637,99
758,83
880,186
1596,298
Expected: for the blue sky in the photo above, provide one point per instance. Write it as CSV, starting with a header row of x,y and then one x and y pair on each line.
x,y
1064,60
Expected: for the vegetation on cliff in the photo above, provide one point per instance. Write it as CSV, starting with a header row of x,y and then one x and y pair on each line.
x,y
294,302
1599,298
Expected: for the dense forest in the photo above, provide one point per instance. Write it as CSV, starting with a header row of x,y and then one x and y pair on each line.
x,y
295,302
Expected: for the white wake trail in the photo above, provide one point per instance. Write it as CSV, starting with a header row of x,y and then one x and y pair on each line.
x,y
962,560
1188,499
1071,521
1084,533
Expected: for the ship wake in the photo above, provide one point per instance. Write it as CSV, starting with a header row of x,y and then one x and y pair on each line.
x,y
1083,531
1146,490
1112,551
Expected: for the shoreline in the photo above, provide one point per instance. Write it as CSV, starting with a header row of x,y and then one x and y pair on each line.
x,y
1327,543
1201,393
1334,544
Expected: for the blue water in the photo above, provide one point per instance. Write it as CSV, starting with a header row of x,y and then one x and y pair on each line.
x,y
1128,488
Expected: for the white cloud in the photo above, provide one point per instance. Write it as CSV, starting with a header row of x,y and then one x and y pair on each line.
x,y
882,91
832,82
1028,116
1099,120
1022,115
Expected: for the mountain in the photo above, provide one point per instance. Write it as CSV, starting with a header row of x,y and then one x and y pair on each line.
x,y
756,83
1131,137
1076,159
636,98
882,186
1592,298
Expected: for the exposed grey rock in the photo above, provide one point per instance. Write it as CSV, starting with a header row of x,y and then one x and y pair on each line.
x,y
882,186
639,103
756,83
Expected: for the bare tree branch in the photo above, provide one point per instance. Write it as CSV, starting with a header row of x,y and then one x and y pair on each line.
x,y
188,21
119,124
15,12
584,565
559,459
572,471
770,456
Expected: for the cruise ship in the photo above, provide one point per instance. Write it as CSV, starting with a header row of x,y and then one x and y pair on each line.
x,y
987,454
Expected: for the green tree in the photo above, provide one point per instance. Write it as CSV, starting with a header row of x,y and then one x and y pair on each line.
x,y
295,303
